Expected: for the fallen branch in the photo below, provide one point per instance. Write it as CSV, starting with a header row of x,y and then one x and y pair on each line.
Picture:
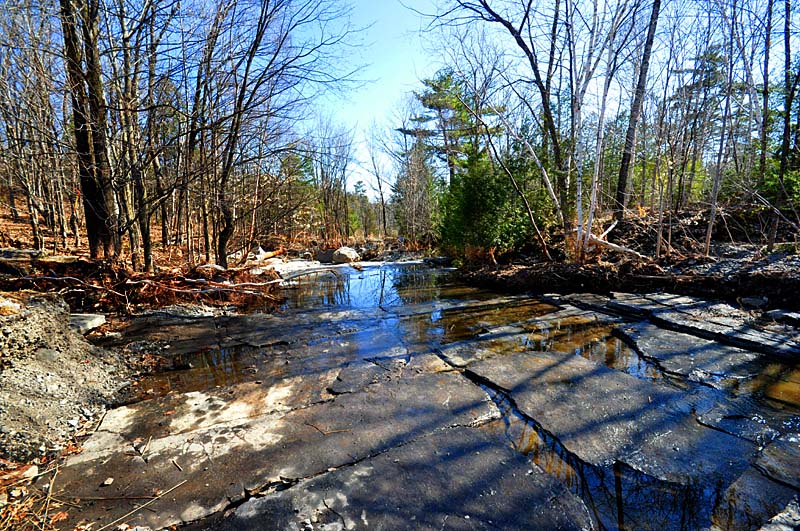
x,y
672,278
49,496
312,272
204,282
74,279
139,508
213,287
608,230
614,247
271,254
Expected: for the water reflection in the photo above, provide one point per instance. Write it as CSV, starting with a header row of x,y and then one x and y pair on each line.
x,y
595,342
384,286
200,371
618,496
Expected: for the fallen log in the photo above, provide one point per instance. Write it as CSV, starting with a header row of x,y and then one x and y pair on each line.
x,y
614,247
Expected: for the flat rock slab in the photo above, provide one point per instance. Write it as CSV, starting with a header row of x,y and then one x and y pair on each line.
x,y
779,460
695,358
752,500
602,415
460,478
224,453
744,417
86,322
566,330
355,377
503,340
717,321
784,316
786,520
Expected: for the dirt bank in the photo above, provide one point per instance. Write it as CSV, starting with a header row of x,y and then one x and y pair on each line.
x,y
737,274
53,383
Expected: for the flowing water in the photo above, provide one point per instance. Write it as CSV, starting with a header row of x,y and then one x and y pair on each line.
x,y
345,315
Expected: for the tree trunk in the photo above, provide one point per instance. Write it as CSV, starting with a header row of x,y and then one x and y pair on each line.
x,y
88,115
636,108
791,83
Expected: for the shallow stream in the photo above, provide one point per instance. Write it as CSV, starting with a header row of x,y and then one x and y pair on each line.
x,y
344,316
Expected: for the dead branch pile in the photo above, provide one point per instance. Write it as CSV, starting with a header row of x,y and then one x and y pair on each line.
x,y
93,286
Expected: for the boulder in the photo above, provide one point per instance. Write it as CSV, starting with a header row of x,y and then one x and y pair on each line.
x,y
345,255
86,322
325,257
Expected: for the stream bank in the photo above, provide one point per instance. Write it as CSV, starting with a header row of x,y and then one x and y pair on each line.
x,y
740,274
54,385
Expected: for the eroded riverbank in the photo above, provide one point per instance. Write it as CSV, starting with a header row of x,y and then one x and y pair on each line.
x,y
394,398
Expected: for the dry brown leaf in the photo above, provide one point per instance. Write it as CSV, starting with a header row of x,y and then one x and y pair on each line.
x,y
59,516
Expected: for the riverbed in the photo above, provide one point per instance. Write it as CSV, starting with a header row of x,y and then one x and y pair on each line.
x,y
396,397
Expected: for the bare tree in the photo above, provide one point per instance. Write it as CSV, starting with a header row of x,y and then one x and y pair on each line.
x,y
636,108
80,25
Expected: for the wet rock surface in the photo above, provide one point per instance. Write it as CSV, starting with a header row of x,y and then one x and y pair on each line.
x,y
390,398
716,321
227,451
689,356
603,416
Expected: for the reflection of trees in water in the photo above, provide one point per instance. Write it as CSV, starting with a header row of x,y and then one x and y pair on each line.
x,y
383,287
320,290
593,342
618,497
415,284
198,371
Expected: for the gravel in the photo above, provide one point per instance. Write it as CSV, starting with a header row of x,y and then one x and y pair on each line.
x,y
53,383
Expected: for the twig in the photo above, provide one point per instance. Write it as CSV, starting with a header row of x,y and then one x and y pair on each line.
x,y
312,272
47,499
115,498
131,513
219,288
28,478
79,281
63,502
325,433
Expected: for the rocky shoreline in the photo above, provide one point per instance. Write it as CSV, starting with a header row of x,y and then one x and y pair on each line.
x,y
739,275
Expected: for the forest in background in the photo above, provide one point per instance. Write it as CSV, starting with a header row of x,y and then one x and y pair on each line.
x,y
162,124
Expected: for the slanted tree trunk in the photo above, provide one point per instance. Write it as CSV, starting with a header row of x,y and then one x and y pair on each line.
x,y
762,159
636,109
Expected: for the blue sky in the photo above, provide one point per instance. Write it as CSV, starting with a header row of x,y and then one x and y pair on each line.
x,y
396,59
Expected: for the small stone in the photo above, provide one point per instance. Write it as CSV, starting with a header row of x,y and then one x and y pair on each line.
x,y
108,482
47,354
31,473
